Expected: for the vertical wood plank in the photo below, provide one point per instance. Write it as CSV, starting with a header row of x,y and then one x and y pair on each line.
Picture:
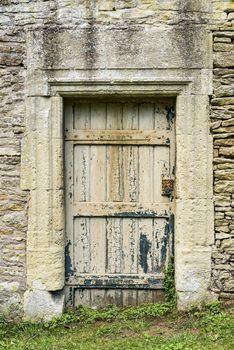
x,y
98,116
97,298
98,245
114,233
81,173
146,176
68,116
114,116
144,297
160,245
161,167
82,297
69,183
129,297
158,296
130,245
69,297
98,155
131,173
172,149
69,194
146,116
114,174
98,173
119,297
82,116
110,297
130,116
145,232
146,173
82,245
114,297
160,115
81,154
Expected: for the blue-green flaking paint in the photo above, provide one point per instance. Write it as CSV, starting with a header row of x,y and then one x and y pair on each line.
x,y
144,250
170,116
70,298
171,223
164,246
68,262
139,214
120,281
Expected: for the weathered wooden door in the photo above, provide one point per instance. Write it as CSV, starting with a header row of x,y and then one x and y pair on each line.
x,y
119,168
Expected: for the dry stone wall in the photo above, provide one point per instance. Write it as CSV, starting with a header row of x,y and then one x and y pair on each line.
x,y
13,201
222,119
17,17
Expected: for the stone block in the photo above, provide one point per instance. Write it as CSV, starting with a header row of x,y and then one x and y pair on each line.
x,y
224,91
41,305
223,235
114,48
42,163
222,39
193,277
227,151
38,116
227,295
197,107
224,187
223,47
46,266
106,5
57,103
228,245
44,206
231,15
190,232
125,4
228,123
229,286
224,174
194,166
223,101
224,59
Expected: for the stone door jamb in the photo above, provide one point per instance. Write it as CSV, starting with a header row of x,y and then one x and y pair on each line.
x,y
42,175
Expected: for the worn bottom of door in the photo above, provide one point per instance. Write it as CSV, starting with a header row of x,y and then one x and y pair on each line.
x,y
119,171
99,298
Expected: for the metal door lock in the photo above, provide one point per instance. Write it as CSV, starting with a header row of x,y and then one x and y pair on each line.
x,y
167,186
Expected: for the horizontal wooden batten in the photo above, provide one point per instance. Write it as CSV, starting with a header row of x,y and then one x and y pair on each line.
x,y
135,137
114,209
116,281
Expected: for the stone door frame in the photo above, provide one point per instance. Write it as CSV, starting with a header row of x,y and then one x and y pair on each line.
x,y
42,174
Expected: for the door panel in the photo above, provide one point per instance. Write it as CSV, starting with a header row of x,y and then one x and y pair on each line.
x,y
122,173
119,224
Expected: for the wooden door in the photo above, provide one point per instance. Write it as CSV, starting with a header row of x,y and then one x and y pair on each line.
x,y
119,168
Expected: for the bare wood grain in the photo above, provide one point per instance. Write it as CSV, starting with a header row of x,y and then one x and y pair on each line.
x,y
125,209
144,137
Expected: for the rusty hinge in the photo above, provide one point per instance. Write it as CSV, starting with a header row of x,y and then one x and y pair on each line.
x,y
167,186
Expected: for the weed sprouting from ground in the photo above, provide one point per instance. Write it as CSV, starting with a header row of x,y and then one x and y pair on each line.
x,y
87,315
151,326
169,282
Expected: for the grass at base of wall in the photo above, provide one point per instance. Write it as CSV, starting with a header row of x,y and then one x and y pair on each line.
x,y
156,326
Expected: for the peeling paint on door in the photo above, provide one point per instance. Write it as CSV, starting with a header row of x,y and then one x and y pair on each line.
x,y
144,251
118,202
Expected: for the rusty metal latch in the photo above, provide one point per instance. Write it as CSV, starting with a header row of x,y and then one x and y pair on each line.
x,y
167,186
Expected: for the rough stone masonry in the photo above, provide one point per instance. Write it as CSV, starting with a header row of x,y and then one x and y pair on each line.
x,y
222,126
20,20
